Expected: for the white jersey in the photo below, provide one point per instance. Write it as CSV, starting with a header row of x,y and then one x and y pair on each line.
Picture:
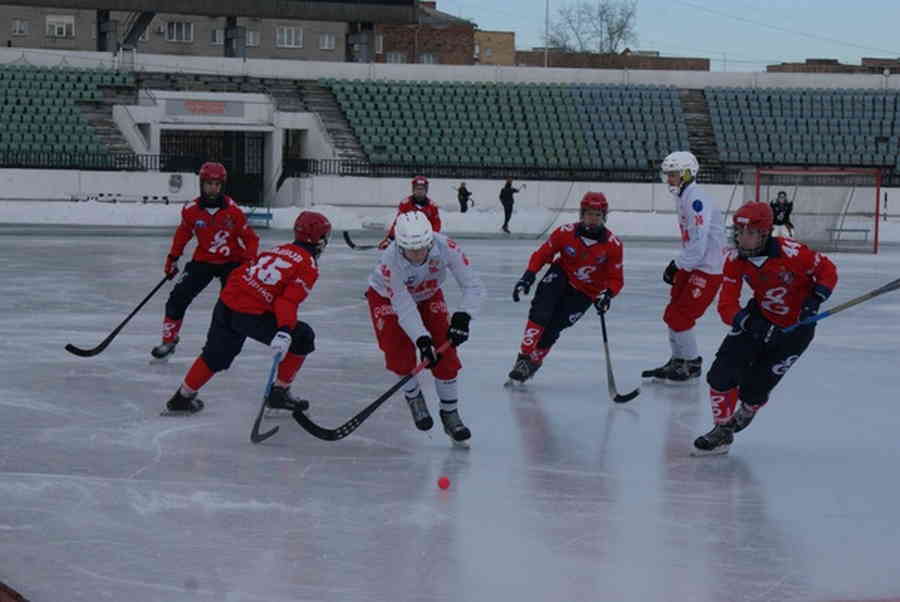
x,y
702,231
406,284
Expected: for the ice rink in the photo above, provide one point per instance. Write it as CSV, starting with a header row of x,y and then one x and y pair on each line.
x,y
562,496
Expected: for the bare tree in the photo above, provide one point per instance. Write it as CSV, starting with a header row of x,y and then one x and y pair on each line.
x,y
603,26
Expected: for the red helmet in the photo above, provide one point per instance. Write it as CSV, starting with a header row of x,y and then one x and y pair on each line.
x,y
594,200
419,181
213,171
757,216
312,228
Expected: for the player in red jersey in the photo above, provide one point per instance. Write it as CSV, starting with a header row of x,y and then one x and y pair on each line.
x,y
224,241
789,282
260,301
587,269
417,201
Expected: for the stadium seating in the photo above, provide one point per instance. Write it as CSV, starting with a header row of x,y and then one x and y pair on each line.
x,y
806,126
38,107
523,125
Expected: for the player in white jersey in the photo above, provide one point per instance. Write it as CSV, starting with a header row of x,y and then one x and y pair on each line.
x,y
696,273
408,311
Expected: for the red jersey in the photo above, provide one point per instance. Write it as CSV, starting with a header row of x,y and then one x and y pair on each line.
x,y
277,282
223,235
780,284
590,268
429,209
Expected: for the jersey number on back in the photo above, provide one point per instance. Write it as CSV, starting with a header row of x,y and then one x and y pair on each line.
x,y
268,269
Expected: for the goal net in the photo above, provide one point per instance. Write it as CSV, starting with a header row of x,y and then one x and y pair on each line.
x,y
834,210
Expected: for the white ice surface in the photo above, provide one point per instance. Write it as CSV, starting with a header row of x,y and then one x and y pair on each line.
x,y
563,496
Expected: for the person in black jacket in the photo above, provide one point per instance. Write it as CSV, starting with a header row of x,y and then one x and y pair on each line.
x,y
781,209
463,195
506,199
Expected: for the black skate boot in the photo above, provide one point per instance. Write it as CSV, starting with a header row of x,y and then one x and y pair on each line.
x,y
659,373
742,418
716,441
523,369
162,351
685,371
419,410
182,405
454,427
280,398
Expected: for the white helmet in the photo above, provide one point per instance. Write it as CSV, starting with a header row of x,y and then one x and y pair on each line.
x,y
682,162
413,231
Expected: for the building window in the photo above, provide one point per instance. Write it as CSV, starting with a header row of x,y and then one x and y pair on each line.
x,y
60,26
488,52
179,31
20,27
395,57
217,37
252,38
428,58
326,41
379,43
289,37
477,50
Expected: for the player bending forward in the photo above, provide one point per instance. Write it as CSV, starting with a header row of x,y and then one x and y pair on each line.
x,y
587,269
789,282
260,301
408,311
224,241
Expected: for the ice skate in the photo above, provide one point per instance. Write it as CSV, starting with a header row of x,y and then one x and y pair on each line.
x,y
280,402
161,353
742,418
522,370
676,371
182,405
717,441
419,410
458,432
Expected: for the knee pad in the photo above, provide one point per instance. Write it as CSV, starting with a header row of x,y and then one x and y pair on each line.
x,y
303,339
719,381
219,359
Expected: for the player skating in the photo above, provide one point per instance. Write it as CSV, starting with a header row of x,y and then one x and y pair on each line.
x,y
781,213
408,312
789,282
260,302
695,274
417,201
224,241
586,268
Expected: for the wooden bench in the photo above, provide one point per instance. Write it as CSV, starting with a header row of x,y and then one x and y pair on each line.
x,y
835,232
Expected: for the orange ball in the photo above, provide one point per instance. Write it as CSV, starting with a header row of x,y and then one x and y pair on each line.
x,y
444,483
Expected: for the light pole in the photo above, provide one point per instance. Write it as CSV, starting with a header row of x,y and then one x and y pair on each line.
x,y
547,34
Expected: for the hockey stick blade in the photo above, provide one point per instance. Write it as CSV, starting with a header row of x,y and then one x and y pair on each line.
x,y
355,246
105,342
255,435
625,398
351,425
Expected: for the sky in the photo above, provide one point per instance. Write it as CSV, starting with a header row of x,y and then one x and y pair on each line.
x,y
737,35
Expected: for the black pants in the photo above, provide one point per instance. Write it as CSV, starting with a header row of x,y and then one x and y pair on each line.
x,y
195,277
229,329
463,205
507,213
556,305
756,367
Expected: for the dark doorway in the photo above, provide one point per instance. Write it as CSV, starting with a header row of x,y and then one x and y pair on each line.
x,y
242,154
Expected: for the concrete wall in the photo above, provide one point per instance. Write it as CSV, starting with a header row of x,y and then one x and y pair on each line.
x,y
317,69
59,184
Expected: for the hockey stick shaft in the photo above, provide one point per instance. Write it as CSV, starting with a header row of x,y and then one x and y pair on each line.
x,y
610,378
105,342
355,246
890,286
255,435
351,425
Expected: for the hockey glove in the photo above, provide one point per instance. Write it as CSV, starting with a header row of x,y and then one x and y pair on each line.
x,y
523,286
384,243
459,328
811,305
426,351
602,302
670,273
281,342
171,267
